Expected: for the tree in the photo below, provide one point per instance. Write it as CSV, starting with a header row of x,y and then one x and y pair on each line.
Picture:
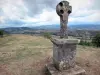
x,y
1,33
96,40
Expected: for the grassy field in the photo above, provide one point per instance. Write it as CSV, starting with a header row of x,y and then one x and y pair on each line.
x,y
27,55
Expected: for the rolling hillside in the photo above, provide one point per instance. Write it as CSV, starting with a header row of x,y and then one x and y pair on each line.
x,y
27,55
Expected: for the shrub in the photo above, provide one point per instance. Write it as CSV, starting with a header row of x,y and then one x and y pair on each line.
x,y
1,33
85,43
96,40
47,35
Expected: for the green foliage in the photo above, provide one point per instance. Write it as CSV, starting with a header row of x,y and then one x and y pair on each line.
x,y
47,35
1,33
96,40
85,43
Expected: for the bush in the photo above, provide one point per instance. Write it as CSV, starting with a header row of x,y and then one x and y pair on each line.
x,y
96,40
47,35
1,33
85,43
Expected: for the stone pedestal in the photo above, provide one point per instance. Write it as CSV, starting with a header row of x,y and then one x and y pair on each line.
x,y
64,51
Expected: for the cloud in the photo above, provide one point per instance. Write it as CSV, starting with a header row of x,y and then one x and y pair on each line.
x,y
37,6
88,16
43,12
1,19
13,10
96,4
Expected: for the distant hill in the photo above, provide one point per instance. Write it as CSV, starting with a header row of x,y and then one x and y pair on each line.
x,y
73,29
15,30
85,27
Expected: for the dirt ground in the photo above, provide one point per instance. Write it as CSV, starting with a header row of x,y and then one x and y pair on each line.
x,y
27,55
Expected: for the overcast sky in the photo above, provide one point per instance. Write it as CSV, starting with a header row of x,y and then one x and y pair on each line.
x,y
43,12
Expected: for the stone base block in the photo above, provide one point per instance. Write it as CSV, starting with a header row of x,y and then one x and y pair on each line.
x,y
73,71
64,51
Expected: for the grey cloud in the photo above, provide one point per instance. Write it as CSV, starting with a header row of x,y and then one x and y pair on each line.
x,y
36,6
1,12
97,4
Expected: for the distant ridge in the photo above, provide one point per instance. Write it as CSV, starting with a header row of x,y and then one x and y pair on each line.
x,y
81,26
51,27
85,27
72,27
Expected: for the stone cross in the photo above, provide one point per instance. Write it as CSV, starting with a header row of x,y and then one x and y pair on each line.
x,y
63,10
64,49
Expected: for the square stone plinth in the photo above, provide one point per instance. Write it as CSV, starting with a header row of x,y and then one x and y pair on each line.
x,y
64,51
72,71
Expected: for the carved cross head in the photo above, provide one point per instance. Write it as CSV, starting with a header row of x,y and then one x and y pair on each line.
x,y
63,9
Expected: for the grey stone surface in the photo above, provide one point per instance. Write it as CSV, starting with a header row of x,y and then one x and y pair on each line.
x,y
72,71
65,41
63,10
64,51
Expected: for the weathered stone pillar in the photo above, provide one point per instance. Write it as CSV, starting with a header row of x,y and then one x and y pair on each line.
x,y
64,49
